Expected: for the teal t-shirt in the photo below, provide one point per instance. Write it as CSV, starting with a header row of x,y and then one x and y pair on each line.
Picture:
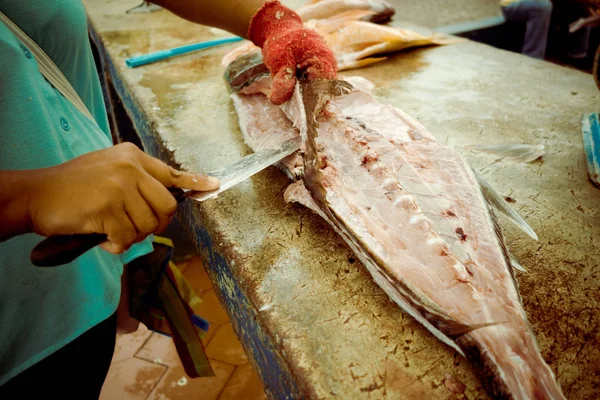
x,y
41,310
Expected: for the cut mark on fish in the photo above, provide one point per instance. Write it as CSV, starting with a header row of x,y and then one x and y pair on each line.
x,y
461,234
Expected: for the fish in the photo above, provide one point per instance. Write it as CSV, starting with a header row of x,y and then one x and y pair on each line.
x,y
413,212
380,11
417,216
355,42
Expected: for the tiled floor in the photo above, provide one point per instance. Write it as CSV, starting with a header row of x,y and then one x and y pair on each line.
x,y
146,366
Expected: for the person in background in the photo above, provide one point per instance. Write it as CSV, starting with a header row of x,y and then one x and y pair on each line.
x,y
536,15
577,42
60,174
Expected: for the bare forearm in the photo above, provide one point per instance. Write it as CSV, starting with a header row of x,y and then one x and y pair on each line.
x,y
16,187
231,15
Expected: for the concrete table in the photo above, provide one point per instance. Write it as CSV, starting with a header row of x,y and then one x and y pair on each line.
x,y
309,315
450,16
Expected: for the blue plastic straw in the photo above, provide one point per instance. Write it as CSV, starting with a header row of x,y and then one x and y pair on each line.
x,y
134,62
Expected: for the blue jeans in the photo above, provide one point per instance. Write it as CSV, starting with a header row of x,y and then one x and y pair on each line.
x,y
536,14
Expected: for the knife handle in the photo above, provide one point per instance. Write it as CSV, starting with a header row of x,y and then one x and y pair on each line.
x,y
63,249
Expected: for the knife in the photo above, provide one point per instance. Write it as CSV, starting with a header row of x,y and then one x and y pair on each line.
x,y
63,249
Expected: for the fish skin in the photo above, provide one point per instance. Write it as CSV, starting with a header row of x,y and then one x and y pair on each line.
x,y
380,11
354,41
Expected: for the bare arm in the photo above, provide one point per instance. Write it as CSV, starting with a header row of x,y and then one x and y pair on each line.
x,y
289,49
16,187
119,191
231,15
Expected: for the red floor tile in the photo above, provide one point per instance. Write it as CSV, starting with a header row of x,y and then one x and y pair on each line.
x,y
195,273
146,364
131,379
211,309
176,385
226,347
127,345
159,349
244,384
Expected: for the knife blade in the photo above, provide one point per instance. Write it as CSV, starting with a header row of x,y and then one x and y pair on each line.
x,y
63,249
244,168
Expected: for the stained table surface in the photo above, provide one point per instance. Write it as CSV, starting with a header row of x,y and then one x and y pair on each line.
x,y
309,315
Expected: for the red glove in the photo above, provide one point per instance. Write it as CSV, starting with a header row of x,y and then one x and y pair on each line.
x,y
289,49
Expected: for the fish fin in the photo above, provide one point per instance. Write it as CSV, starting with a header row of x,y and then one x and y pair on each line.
x,y
392,46
398,40
401,300
359,83
514,262
504,249
501,205
457,330
354,64
494,201
525,153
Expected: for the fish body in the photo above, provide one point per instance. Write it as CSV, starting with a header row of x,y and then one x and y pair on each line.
x,y
379,11
413,211
355,41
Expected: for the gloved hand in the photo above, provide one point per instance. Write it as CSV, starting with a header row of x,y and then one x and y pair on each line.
x,y
289,49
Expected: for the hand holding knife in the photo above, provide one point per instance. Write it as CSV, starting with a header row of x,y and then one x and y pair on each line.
x,y
62,249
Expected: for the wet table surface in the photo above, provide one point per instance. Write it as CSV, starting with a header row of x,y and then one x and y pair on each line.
x,y
438,13
309,315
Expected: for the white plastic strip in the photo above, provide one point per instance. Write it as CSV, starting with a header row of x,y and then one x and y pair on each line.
x,y
47,67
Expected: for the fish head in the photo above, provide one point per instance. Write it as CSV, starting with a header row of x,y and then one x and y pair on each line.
x,y
245,70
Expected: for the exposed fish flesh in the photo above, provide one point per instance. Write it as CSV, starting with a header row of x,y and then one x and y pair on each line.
x,y
355,42
415,214
380,11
